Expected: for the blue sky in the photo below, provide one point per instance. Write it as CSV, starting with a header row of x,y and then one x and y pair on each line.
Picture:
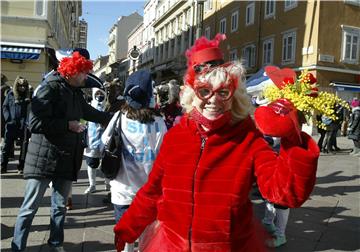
x,y
101,16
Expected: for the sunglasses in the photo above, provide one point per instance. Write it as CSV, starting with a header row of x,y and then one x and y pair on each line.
x,y
205,92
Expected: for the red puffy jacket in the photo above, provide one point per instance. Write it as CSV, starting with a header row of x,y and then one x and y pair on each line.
x,y
197,191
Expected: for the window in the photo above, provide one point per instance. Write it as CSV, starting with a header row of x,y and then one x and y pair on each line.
x,y
288,47
350,44
290,4
250,13
249,56
353,2
208,5
223,25
234,21
233,55
40,8
268,51
207,33
269,8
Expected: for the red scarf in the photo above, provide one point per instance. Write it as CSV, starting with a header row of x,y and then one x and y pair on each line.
x,y
211,125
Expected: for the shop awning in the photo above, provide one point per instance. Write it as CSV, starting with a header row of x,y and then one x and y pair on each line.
x,y
345,86
20,52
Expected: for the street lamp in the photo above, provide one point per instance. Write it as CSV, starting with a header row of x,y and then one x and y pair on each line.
x,y
134,55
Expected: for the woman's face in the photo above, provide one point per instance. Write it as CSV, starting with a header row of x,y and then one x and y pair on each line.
x,y
213,100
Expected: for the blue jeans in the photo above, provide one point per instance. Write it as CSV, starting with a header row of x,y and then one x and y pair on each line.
x,y
34,193
119,210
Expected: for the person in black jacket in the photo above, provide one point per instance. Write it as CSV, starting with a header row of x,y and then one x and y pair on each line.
x,y
354,127
56,146
4,90
15,110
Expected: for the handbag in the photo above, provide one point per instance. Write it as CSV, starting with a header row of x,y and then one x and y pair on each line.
x,y
111,162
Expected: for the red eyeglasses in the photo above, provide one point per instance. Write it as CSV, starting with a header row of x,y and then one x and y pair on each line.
x,y
204,91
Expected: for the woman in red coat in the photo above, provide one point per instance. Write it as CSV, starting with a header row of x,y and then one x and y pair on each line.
x,y
196,197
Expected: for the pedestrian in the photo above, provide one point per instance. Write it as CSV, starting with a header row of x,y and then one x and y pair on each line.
x,y
115,100
330,127
275,216
168,102
321,131
354,127
15,110
56,147
197,195
4,90
92,153
142,130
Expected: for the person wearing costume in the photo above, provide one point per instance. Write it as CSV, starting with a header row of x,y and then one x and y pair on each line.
x,y
197,195
142,130
92,151
56,148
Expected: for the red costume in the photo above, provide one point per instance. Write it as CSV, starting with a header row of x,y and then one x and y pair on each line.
x,y
200,195
197,194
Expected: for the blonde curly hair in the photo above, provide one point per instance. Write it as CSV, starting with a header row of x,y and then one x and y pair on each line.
x,y
241,103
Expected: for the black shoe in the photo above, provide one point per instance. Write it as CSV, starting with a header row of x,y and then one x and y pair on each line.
x,y
3,169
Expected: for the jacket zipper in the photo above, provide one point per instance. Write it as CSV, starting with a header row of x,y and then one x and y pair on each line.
x,y
203,140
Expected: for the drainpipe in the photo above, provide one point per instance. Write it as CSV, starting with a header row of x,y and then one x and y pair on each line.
x,y
199,17
258,60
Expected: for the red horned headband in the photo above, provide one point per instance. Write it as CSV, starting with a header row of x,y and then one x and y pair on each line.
x,y
203,51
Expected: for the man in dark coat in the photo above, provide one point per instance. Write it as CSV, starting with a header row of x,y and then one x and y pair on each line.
x,y
4,90
56,146
15,110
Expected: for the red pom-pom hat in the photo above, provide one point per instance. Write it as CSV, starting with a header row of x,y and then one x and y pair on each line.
x,y
202,52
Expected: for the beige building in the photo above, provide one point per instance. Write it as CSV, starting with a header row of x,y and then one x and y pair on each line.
x,y
174,28
147,53
83,31
31,31
118,45
135,45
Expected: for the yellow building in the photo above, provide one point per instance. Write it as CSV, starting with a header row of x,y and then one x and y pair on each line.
x,y
320,36
31,31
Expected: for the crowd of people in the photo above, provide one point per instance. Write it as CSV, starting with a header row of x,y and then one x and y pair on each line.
x,y
190,154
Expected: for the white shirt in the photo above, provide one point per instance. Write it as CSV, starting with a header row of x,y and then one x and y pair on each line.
x,y
141,144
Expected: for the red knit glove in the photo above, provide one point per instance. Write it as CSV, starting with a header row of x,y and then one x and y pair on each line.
x,y
279,119
119,243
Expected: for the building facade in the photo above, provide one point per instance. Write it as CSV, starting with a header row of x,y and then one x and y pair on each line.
x,y
174,29
147,53
118,44
135,45
31,31
293,34
82,34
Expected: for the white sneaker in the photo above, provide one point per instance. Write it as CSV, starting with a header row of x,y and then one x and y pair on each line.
x,y
90,189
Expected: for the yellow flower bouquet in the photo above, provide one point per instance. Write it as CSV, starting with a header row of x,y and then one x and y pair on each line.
x,y
303,93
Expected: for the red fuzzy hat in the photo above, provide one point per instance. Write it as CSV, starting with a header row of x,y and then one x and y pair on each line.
x,y
203,51
70,66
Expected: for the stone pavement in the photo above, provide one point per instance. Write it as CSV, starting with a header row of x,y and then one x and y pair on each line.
x,y
329,221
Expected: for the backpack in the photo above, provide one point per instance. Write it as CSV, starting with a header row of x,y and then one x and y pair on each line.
x,y
326,120
111,162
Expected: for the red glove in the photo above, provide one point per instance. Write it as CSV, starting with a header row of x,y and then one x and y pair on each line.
x,y
119,243
279,119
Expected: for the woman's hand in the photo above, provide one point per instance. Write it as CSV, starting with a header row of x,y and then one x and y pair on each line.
x,y
279,119
119,244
